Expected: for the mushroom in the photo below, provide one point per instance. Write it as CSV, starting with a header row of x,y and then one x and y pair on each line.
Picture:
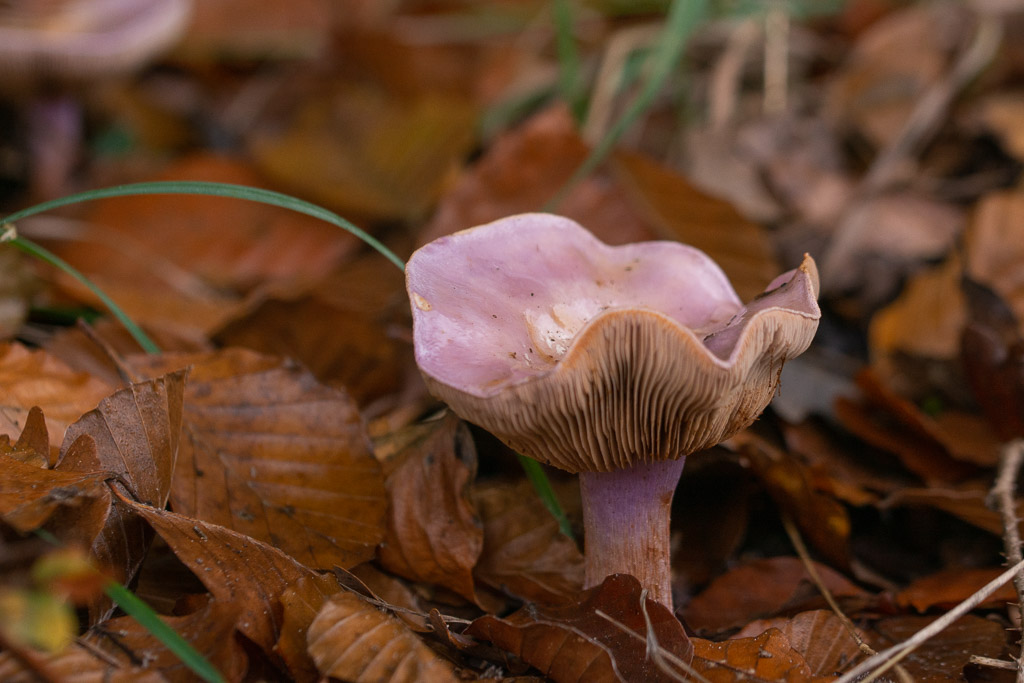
x,y
613,362
54,52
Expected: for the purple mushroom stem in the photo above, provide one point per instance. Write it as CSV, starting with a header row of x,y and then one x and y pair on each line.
x,y
626,517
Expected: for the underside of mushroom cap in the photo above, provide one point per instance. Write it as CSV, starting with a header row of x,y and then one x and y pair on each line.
x,y
672,364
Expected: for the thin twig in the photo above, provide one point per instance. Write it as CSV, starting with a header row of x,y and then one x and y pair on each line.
x,y
776,58
931,109
727,74
661,658
993,663
805,557
888,658
1003,496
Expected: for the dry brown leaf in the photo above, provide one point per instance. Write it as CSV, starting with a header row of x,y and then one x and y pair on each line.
x,y
434,534
823,521
274,455
76,664
33,445
363,151
891,66
943,657
136,432
838,469
182,262
524,554
762,588
925,320
995,248
367,300
210,630
818,635
239,571
301,602
967,502
353,640
882,238
889,422
1003,114
229,243
522,170
949,587
679,211
30,496
35,378
578,642
767,657
245,30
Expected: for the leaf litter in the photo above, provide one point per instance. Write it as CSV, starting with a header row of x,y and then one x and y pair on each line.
x,y
283,490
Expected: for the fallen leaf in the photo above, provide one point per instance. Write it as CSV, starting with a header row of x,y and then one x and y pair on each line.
x,y
889,422
525,554
30,496
33,445
994,247
891,66
210,631
679,211
943,657
822,520
880,239
434,533
992,350
237,570
363,151
367,299
767,657
231,244
763,588
924,320
76,664
967,502
949,587
136,432
300,603
522,170
221,30
819,636
839,469
1003,114
273,454
579,642
185,262
353,640
35,378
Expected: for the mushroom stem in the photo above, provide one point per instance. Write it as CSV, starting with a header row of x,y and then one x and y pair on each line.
x,y
626,516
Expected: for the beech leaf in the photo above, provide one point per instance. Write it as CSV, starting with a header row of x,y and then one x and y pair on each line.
x,y
578,642
273,454
355,641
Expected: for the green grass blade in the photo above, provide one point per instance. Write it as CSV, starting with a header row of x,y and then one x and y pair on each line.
x,y
143,340
244,192
569,77
683,17
542,485
160,630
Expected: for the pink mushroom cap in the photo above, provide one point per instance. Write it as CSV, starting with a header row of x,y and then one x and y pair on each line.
x,y
594,358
